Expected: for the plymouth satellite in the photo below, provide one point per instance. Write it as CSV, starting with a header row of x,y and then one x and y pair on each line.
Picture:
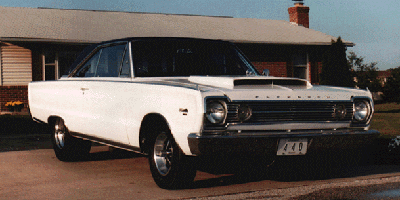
x,y
175,99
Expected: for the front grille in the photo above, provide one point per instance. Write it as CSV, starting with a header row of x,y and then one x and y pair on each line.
x,y
290,111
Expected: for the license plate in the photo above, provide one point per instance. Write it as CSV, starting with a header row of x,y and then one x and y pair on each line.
x,y
292,146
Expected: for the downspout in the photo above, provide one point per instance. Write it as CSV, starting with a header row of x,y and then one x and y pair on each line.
x,y
1,65
308,68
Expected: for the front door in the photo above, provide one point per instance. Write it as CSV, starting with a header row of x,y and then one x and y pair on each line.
x,y
103,88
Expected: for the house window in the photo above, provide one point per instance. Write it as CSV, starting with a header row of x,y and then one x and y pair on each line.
x,y
300,66
65,60
50,66
56,64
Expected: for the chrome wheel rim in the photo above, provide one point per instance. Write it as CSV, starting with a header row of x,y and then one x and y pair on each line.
x,y
163,154
59,136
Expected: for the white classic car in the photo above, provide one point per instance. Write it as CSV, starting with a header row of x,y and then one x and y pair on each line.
x,y
175,98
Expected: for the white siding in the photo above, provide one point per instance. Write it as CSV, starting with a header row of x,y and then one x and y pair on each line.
x,y
16,64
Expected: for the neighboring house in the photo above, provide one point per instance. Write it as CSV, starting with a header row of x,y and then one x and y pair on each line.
x,y
383,76
39,44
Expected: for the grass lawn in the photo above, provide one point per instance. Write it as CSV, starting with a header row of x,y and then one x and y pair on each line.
x,y
387,119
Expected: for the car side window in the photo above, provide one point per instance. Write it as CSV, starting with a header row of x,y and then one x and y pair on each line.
x,y
89,68
110,61
107,62
125,70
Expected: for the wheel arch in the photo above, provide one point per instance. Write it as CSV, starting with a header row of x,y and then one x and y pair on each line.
x,y
52,119
149,123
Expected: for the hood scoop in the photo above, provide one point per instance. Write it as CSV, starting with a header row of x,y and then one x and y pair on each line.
x,y
249,82
283,82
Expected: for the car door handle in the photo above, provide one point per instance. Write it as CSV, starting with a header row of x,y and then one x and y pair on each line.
x,y
84,89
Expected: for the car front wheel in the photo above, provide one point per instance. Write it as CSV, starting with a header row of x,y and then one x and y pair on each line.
x,y
170,168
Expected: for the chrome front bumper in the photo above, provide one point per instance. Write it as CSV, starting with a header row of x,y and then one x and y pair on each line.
x,y
267,142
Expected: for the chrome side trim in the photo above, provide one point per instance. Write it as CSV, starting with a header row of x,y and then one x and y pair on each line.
x,y
107,142
38,120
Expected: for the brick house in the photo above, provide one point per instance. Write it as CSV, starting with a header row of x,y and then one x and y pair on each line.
x,y
39,44
384,75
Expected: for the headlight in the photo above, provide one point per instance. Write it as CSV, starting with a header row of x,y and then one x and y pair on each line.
x,y
216,112
244,113
361,110
340,112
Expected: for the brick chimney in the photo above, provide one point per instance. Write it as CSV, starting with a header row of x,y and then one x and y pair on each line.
x,y
299,14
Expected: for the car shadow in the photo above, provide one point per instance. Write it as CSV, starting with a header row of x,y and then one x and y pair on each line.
x,y
295,174
232,170
320,166
111,154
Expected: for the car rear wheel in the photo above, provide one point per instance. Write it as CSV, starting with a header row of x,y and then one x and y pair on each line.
x,y
169,167
67,147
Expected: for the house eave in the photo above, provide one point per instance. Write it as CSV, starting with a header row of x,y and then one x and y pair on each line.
x,y
46,40
348,44
83,42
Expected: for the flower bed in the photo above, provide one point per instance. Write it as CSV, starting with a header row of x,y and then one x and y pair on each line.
x,y
14,106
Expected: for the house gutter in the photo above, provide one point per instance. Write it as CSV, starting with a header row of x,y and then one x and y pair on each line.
x,y
47,40
348,44
86,42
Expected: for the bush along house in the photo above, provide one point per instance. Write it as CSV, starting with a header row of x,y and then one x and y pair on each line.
x,y
39,44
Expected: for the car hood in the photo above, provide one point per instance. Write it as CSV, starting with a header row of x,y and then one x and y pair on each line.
x,y
265,88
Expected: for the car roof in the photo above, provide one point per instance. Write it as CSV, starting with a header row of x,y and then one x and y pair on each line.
x,y
92,47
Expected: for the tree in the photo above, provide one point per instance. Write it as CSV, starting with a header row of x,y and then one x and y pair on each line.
x,y
366,74
391,90
335,68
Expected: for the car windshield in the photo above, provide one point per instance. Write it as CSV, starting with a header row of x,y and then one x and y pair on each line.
x,y
188,57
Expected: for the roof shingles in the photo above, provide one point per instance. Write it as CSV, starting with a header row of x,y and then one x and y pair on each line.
x,y
95,26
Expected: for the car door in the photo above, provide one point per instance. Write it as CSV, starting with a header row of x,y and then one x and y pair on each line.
x,y
103,95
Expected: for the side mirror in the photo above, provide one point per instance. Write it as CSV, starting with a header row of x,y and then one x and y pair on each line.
x,y
265,72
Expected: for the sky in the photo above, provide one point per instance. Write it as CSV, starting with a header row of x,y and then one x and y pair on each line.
x,y
374,26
